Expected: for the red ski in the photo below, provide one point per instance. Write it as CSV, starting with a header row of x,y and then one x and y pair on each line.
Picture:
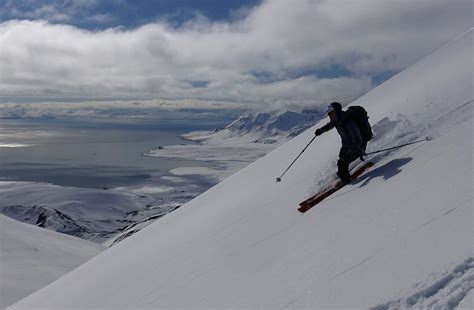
x,y
314,200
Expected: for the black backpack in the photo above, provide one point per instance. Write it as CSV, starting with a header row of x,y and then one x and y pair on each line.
x,y
360,117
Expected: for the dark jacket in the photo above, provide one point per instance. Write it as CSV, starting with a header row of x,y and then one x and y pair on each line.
x,y
351,137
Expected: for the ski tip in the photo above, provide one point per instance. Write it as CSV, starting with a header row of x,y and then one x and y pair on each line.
x,y
302,209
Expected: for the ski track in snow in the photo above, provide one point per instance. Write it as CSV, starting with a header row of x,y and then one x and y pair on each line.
x,y
447,292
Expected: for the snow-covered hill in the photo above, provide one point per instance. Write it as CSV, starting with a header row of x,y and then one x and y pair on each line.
x,y
90,214
32,257
402,236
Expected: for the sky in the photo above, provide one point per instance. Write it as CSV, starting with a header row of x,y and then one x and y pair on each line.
x,y
258,51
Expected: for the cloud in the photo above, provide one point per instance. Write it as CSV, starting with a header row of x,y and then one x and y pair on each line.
x,y
276,52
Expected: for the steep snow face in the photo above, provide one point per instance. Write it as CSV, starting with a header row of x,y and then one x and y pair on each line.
x,y
376,243
32,257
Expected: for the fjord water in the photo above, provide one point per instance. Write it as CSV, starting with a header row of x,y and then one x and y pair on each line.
x,y
90,153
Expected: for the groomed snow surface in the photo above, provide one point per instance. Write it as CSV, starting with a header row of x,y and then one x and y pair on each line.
x,y
400,237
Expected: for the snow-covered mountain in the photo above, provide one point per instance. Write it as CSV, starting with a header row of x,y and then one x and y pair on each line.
x,y
270,127
399,237
260,127
102,216
246,139
32,257
90,214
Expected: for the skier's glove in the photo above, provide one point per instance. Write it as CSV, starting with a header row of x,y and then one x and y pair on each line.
x,y
318,132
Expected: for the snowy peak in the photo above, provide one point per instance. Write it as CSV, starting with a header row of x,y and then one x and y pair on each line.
x,y
248,122
275,123
271,127
290,120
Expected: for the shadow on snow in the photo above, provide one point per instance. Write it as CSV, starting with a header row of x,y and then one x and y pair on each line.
x,y
387,171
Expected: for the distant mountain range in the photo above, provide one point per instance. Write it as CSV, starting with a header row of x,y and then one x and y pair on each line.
x,y
261,127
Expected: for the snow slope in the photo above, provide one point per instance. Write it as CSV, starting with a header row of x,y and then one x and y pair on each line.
x,y
401,235
32,257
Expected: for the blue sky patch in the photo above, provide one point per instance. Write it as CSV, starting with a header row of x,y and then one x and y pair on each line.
x,y
198,84
102,14
332,71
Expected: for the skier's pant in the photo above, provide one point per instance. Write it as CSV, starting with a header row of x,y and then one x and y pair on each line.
x,y
345,158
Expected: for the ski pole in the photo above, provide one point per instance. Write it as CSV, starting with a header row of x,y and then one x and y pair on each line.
x,y
398,146
281,176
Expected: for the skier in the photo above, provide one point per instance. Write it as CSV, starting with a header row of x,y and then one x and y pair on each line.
x,y
353,140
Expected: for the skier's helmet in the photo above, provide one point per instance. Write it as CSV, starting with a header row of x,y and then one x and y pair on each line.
x,y
334,106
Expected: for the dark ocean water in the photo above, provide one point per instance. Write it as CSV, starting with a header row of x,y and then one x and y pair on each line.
x,y
91,153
